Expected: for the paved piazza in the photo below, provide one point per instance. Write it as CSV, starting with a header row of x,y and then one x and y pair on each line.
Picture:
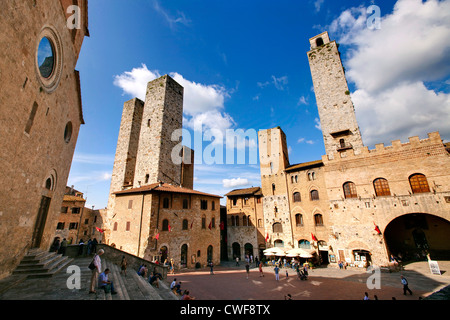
x,y
230,283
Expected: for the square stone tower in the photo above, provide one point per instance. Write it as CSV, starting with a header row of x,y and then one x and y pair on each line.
x,y
336,111
145,145
274,159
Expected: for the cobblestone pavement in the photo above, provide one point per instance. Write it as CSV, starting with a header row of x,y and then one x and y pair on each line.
x,y
230,282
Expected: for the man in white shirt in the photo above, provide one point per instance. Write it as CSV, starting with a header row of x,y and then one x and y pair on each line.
x,y
98,269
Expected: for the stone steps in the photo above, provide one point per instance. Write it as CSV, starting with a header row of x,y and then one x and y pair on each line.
x,y
38,263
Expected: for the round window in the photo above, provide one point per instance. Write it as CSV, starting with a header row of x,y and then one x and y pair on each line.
x,y
46,58
68,132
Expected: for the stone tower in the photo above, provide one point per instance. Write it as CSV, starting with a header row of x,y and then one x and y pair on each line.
x,y
144,146
337,114
274,159
162,115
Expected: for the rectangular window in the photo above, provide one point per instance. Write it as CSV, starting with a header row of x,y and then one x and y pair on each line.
x,y
31,118
73,225
86,221
203,204
128,225
213,205
130,204
75,210
60,226
64,209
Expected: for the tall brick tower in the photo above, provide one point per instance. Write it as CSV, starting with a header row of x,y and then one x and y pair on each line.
x,y
337,114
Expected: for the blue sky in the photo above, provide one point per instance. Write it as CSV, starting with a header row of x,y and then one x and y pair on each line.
x,y
244,66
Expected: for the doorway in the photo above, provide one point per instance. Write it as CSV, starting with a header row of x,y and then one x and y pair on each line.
x,y
40,222
184,252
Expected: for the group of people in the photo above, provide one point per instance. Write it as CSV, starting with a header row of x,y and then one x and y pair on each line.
x,y
59,246
176,288
99,278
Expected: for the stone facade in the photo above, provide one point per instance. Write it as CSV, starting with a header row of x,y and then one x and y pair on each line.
x,y
245,223
77,222
40,117
355,205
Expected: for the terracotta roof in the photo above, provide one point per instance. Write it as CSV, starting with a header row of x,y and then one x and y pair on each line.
x,y
305,165
164,187
72,198
240,192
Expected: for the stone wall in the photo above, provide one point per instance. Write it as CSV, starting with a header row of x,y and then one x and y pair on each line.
x,y
40,117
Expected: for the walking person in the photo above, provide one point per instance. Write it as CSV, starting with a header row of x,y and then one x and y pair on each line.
x,y
211,266
247,268
277,270
97,264
62,249
261,273
405,285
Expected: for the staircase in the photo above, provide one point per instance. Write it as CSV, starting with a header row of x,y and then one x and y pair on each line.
x,y
41,264
133,287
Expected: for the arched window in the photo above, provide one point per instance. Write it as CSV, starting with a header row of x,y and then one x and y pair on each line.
x,y
298,219
115,226
297,197
350,190
318,219
292,179
381,187
296,179
319,42
314,195
278,244
244,221
419,183
166,203
237,221
304,244
232,221
277,227
273,189
165,225
185,224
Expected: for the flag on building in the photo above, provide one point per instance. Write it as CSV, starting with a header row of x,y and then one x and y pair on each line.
x,y
99,230
377,229
210,225
157,237
313,237
267,237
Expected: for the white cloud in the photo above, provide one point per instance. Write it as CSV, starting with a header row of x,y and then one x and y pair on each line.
x,y
391,68
134,82
101,159
302,100
235,182
200,102
279,83
92,177
317,125
318,4
172,21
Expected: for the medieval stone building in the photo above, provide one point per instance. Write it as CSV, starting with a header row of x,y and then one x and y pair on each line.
x,y
245,223
40,117
354,205
153,212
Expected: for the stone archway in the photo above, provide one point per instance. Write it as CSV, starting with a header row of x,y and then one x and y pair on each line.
x,y
412,236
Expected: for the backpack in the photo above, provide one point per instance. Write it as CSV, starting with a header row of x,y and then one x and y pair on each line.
x,y
92,265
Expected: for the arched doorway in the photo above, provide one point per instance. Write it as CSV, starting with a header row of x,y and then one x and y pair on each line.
x,y
413,236
236,247
163,253
248,248
323,252
184,255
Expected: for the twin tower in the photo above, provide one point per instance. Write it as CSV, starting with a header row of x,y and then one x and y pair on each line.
x,y
145,144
